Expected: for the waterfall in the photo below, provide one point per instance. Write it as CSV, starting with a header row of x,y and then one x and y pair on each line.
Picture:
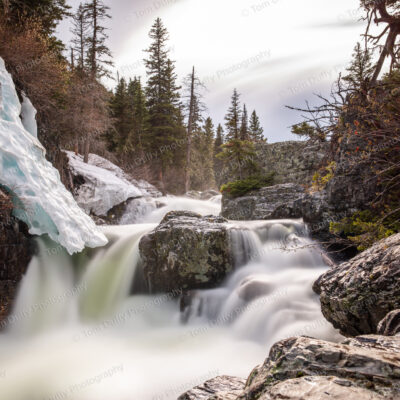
x,y
81,330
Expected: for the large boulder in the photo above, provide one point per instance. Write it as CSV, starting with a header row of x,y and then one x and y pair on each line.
x,y
358,294
368,366
186,251
363,368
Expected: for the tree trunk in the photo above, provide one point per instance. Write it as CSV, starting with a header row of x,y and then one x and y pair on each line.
x,y
189,134
94,41
87,149
387,50
188,162
162,184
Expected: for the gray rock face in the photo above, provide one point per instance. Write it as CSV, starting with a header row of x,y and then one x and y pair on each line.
x,y
358,294
367,366
219,388
267,203
186,251
390,325
353,187
292,161
282,201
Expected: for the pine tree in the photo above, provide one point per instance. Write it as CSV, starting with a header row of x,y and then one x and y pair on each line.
x,y
193,108
239,157
163,102
80,25
121,116
202,167
233,118
360,70
99,55
244,126
255,130
218,163
138,115
219,139
208,155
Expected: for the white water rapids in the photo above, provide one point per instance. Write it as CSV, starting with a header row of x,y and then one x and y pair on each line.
x,y
77,332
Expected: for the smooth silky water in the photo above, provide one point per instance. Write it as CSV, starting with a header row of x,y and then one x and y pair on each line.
x,y
77,333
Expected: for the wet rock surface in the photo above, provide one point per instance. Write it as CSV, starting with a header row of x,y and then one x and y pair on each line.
x,y
186,251
358,294
221,387
16,250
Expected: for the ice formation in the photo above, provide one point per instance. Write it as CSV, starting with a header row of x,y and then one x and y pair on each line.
x,y
41,199
28,116
105,184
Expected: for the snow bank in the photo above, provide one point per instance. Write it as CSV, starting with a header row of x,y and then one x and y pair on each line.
x,y
43,202
105,184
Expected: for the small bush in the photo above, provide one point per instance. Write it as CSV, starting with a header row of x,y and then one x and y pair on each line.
x,y
241,187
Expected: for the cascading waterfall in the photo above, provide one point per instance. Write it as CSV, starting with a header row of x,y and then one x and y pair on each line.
x,y
78,332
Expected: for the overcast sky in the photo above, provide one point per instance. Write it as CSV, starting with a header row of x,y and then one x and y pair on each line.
x,y
275,52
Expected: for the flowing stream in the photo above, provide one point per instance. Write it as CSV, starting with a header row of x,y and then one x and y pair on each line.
x,y
78,333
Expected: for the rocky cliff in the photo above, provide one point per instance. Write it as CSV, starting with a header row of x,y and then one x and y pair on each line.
x,y
292,161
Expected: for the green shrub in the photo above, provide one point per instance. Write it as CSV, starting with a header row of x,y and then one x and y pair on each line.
x,y
241,187
320,180
364,228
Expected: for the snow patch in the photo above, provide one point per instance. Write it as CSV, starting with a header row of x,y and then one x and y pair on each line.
x,y
44,204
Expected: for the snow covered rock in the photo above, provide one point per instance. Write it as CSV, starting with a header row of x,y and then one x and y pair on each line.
x,y
43,203
105,185
147,188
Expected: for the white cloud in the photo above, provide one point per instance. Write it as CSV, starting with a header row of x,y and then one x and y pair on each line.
x,y
305,42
